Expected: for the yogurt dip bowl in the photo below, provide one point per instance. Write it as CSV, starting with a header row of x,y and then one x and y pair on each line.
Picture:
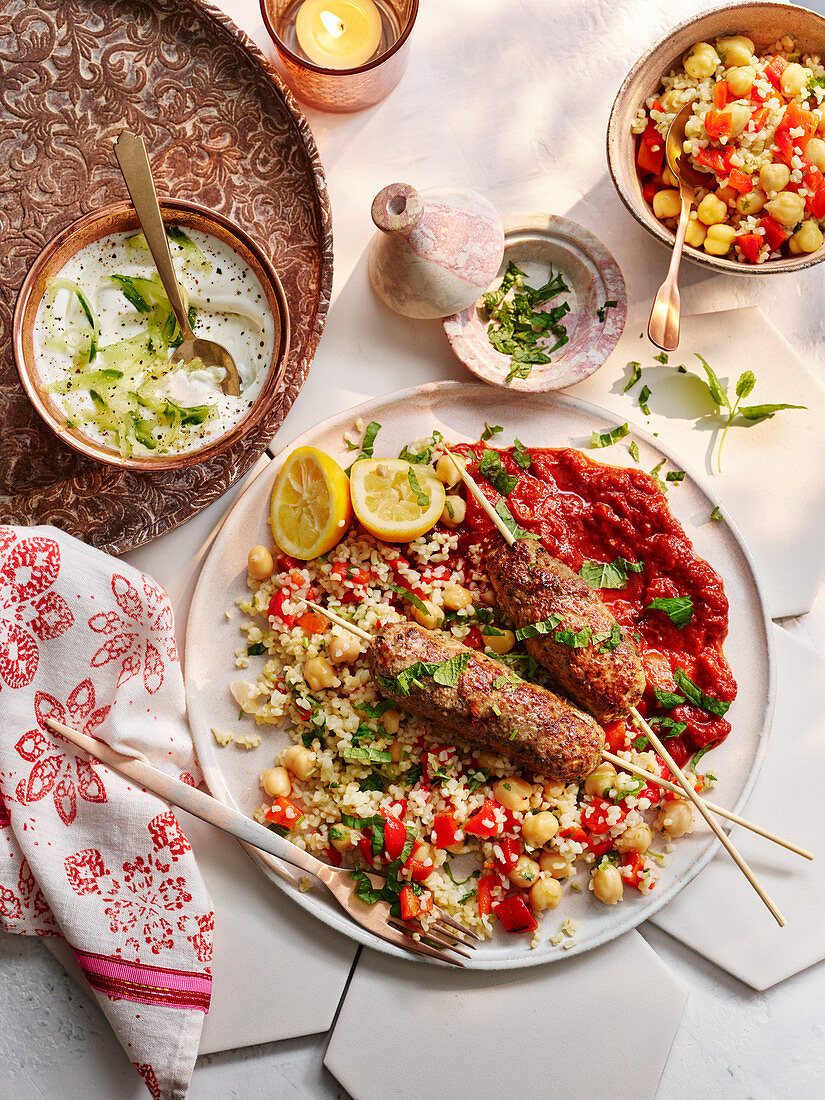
x,y
240,274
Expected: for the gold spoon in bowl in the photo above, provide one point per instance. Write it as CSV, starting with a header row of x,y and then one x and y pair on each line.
x,y
137,172
663,326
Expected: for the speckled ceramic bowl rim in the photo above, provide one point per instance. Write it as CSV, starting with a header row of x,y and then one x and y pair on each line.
x,y
616,137
119,217
462,340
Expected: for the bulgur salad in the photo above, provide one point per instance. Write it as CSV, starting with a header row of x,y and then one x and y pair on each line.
x,y
365,783
756,133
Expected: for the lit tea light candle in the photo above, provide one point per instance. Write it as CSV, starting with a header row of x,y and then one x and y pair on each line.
x,y
338,34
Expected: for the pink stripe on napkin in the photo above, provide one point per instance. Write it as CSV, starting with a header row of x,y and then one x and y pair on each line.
x,y
134,981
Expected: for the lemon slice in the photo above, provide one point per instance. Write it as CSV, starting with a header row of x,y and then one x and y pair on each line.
x,y
395,500
311,508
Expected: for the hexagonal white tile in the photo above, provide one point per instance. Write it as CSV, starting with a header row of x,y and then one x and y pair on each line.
x,y
718,915
407,1029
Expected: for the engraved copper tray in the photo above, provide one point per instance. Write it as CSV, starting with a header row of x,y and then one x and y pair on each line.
x,y
221,130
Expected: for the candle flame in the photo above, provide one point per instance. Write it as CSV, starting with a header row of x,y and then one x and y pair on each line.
x,y
333,24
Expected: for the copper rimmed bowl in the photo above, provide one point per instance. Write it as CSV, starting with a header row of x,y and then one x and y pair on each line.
x,y
119,218
764,24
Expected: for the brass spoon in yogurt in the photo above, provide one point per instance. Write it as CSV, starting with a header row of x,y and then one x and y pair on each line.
x,y
663,326
137,172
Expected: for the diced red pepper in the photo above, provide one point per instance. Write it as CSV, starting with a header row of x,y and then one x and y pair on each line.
x,y
633,865
283,812
485,894
775,69
750,243
445,830
758,119
574,833
275,610
515,915
775,235
599,847
396,809
285,563
312,623
333,855
721,95
298,579
420,872
794,117
648,193
718,124
474,638
414,905
816,203
595,816
484,822
395,837
756,96
510,852
651,152
740,181
361,577
616,735
715,159
652,792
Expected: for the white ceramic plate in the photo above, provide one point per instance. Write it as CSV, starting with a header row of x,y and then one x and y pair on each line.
x,y
459,411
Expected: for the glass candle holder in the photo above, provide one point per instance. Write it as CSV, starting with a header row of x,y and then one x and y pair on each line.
x,y
341,55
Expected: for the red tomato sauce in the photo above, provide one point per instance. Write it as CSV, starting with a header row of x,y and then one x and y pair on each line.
x,y
586,511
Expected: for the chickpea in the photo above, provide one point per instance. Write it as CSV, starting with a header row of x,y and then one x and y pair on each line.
x,y
432,618
719,240
712,210
501,642
667,204
486,759
696,233
456,596
260,563
424,852
794,79
727,195
319,673
454,511
808,238
740,79
525,872
545,894
814,151
539,828
300,761
391,720
735,50
701,60
344,649
788,208
773,177
607,884
513,793
553,790
276,782
342,838
448,470
554,864
740,116
669,178
751,203
600,780
675,818
636,838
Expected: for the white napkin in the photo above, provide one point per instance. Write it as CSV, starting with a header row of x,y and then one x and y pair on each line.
x,y
84,854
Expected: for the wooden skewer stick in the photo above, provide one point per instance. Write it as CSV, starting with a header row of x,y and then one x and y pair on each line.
x,y
618,761
639,722
626,765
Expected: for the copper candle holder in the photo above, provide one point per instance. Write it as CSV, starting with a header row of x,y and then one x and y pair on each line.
x,y
342,89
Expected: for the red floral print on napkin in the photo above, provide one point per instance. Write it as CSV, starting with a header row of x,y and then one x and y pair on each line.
x,y
29,612
55,772
139,636
142,904
29,901
148,1075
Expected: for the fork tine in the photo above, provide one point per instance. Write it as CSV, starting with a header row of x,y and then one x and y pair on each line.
x,y
430,933
444,919
402,939
457,937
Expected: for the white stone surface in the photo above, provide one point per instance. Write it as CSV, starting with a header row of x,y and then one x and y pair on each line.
x,y
510,97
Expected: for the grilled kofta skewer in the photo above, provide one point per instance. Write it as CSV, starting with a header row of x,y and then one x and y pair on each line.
x,y
600,669
485,704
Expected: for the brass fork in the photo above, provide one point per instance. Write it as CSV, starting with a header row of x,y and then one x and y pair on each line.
x,y
442,935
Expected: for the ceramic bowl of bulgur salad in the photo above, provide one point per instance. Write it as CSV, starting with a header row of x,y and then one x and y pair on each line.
x,y
755,76
427,753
